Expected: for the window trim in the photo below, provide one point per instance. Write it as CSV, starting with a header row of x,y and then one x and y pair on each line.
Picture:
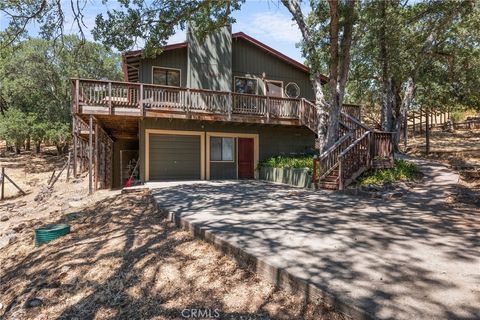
x,y
295,84
245,77
274,81
165,68
234,150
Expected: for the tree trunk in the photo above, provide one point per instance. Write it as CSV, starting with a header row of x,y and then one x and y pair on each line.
x,y
321,111
17,148
37,147
28,144
402,114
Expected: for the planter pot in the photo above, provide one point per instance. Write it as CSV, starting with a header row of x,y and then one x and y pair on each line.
x,y
299,177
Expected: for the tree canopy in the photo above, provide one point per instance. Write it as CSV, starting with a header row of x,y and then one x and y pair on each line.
x,y
35,86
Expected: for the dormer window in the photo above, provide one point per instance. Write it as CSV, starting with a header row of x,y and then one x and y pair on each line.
x,y
166,76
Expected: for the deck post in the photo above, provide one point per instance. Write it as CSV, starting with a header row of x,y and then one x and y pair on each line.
x,y
268,108
90,155
110,97
140,101
229,105
77,94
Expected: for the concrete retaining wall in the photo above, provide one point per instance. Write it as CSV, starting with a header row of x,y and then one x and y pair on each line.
x,y
299,177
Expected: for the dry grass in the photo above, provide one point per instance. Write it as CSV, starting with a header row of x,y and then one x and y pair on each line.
x,y
461,151
122,260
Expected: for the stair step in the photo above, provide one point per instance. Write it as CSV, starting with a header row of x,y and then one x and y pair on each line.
x,y
328,185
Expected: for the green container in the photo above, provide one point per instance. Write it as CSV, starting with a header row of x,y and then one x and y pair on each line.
x,y
50,232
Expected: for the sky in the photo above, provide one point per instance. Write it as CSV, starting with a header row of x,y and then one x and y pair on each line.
x,y
265,20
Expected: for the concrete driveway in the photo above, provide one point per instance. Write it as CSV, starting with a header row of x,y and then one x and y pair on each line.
x,y
387,260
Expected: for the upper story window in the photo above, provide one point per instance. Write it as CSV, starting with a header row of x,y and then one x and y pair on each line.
x,y
245,85
273,88
166,76
292,90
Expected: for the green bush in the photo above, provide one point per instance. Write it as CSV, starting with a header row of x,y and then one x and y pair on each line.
x,y
402,171
288,162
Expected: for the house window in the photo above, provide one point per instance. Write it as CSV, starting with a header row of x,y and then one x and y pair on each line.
x,y
245,85
166,77
292,90
274,88
222,149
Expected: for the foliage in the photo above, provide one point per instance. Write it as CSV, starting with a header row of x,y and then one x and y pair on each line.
x,y
402,171
287,162
154,22
35,84
59,134
435,43
14,127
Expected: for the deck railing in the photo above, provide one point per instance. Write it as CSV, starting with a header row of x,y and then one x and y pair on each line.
x,y
115,94
142,96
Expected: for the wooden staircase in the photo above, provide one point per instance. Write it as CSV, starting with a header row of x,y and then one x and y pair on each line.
x,y
358,149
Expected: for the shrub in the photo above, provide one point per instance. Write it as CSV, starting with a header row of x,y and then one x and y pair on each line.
x,y
402,171
288,162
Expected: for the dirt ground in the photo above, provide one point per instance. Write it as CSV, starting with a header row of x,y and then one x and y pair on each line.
x,y
31,173
461,151
121,260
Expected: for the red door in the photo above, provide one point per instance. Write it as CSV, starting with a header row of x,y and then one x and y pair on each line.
x,y
245,158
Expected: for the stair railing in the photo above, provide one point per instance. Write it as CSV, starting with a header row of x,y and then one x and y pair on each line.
x,y
328,160
354,159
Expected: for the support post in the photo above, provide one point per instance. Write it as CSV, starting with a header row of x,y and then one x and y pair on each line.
x,y
96,156
427,134
90,155
140,101
74,129
68,166
229,106
3,184
110,97
268,109
77,94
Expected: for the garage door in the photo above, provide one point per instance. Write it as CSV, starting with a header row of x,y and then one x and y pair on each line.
x,y
174,157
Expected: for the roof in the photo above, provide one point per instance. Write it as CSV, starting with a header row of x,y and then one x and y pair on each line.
x,y
131,59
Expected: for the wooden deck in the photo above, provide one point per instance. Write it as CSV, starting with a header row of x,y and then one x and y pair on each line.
x,y
138,100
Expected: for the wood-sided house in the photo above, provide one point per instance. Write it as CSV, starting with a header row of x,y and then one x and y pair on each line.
x,y
199,110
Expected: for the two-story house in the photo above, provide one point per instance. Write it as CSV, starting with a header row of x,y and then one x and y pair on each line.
x,y
210,109
201,110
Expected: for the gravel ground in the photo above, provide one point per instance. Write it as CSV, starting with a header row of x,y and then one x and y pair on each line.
x,y
123,260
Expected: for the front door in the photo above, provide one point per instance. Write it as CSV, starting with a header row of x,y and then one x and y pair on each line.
x,y
245,158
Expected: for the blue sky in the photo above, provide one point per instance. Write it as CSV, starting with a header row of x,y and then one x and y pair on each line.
x,y
265,20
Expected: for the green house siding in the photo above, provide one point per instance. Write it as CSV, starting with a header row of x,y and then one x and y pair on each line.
x,y
210,60
175,59
251,61
273,140
214,64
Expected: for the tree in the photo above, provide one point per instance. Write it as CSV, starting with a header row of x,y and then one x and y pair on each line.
x,y
327,35
14,128
34,80
407,53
